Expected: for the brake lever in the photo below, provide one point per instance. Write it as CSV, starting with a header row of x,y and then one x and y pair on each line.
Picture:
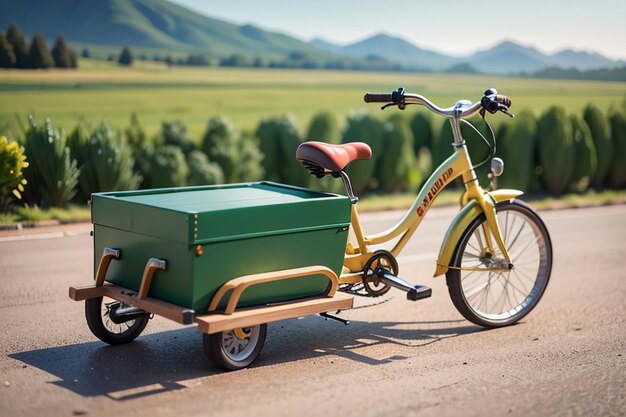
x,y
506,111
401,106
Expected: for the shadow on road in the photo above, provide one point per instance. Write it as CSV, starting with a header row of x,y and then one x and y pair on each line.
x,y
167,361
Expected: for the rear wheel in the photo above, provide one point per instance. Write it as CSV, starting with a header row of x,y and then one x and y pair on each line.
x,y
98,315
497,298
235,349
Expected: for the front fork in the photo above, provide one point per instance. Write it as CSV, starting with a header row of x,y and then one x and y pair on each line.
x,y
488,206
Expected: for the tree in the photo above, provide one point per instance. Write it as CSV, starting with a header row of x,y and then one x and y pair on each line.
x,y
61,54
126,57
73,59
20,47
7,56
40,56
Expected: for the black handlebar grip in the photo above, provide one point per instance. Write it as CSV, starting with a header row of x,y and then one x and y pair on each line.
x,y
503,100
377,98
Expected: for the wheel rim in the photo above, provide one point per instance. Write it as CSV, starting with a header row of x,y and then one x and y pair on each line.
x,y
505,296
111,327
239,344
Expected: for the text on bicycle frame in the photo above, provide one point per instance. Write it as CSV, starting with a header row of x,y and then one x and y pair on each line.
x,y
434,190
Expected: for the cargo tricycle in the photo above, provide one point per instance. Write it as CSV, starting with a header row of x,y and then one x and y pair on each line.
x,y
233,258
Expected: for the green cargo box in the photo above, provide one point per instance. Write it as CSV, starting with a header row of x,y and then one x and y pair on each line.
x,y
242,229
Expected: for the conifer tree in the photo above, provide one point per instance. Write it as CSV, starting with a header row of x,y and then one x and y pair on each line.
x,y
40,56
7,56
126,57
61,54
20,47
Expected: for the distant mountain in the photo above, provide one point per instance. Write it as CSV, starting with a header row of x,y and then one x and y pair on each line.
x,y
145,23
159,24
392,49
505,58
508,57
581,60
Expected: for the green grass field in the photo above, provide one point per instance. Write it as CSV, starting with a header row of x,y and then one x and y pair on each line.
x,y
103,91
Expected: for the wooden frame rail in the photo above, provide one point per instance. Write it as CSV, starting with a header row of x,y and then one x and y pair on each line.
x,y
151,305
238,285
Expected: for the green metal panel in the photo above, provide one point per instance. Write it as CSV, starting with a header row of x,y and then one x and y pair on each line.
x,y
243,229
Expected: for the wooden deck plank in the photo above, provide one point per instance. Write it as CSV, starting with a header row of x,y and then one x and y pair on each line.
x,y
214,323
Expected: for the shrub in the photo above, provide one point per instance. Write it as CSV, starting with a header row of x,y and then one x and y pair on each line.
x,y
53,173
278,141
397,166
602,140
555,142
441,147
516,146
586,158
363,127
324,128
421,126
289,139
201,171
617,171
12,182
141,149
250,158
267,135
175,133
168,168
220,143
104,158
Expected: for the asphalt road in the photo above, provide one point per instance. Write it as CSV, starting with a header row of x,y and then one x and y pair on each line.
x,y
398,358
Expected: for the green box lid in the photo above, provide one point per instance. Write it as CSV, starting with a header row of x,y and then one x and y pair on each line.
x,y
207,214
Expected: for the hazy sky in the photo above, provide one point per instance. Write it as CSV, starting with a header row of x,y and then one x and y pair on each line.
x,y
450,26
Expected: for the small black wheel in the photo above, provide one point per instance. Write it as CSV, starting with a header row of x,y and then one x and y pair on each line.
x,y
97,312
496,298
235,349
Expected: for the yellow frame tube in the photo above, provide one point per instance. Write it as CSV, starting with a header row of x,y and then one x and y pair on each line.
x,y
458,164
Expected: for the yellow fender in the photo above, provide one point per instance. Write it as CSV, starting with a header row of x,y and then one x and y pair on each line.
x,y
468,213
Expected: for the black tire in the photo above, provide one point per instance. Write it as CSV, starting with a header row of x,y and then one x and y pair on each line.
x,y
217,345
104,329
529,246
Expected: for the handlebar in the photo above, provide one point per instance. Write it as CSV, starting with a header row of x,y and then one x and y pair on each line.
x,y
491,102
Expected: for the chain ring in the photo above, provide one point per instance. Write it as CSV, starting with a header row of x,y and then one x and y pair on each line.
x,y
371,283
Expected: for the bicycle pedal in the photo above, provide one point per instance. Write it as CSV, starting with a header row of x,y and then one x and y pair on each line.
x,y
418,293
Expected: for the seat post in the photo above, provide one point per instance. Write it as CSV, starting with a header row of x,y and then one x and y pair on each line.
x,y
348,184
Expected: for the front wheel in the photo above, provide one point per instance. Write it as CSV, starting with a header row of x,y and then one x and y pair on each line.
x,y
235,349
496,298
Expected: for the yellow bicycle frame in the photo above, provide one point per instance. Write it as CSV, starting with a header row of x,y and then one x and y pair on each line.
x,y
474,201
